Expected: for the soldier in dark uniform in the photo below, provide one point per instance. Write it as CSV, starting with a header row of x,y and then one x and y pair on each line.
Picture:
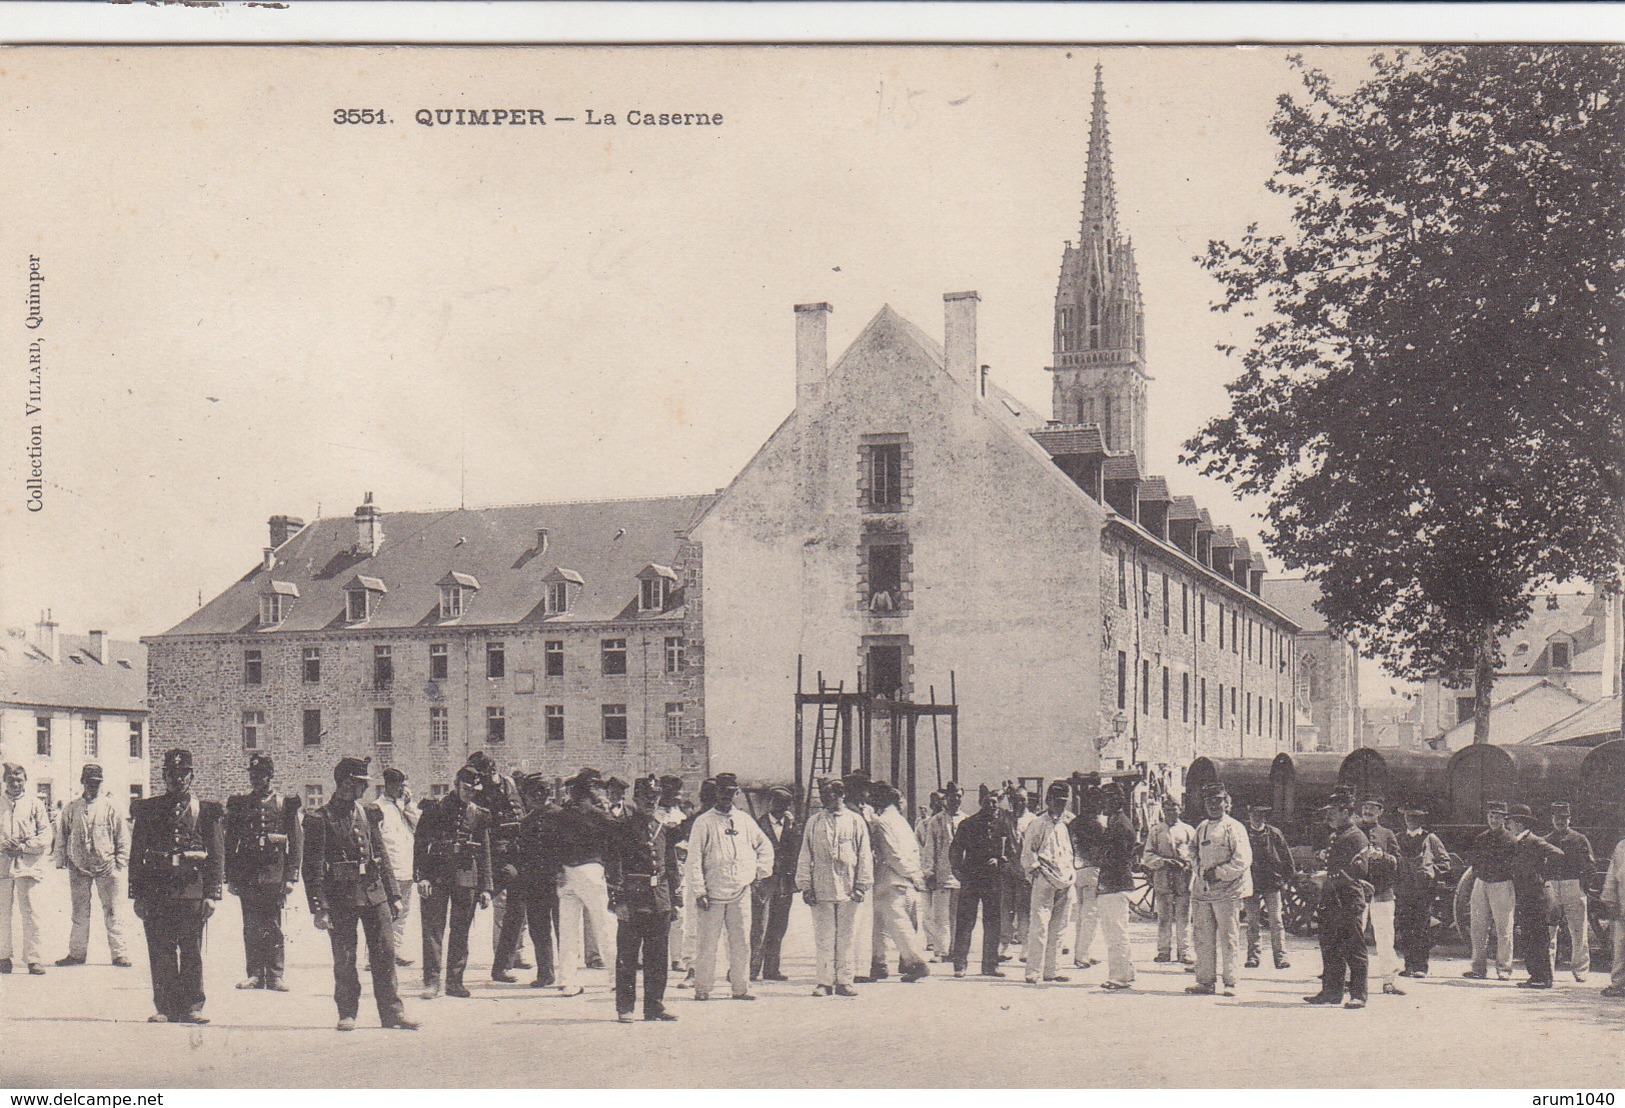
x,y
348,881
1422,861
771,899
533,892
499,794
1530,856
976,855
1342,905
452,857
177,871
640,895
264,848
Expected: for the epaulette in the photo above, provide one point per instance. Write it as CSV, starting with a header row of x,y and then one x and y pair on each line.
x,y
375,814
293,801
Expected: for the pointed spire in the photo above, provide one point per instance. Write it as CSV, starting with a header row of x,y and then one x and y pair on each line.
x,y
1099,192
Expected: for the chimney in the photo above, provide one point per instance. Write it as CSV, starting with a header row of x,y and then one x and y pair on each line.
x,y
369,527
268,558
46,639
541,541
981,382
98,646
284,528
812,354
959,336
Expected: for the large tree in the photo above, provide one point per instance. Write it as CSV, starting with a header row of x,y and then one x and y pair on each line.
x,y
1431,399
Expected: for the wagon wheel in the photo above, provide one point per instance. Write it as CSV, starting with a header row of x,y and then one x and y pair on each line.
x,y
1298,898
1142,899
1461,906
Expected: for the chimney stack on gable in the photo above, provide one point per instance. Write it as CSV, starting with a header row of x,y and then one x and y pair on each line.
x,y
541,540
959,336
46,639
812,354
98,646
369,527
268,559
284,528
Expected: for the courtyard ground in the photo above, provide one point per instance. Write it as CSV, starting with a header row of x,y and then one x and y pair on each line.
x,y
85,1028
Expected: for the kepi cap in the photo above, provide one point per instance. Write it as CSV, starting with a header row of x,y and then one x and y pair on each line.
x,y
783,791
393,776
260,763
178,761
352,769
91,772
727,782
1520,812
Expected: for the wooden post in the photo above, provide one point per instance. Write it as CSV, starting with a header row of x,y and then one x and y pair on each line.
x,y
845,720
936,742
953,727
800,750
913,721
896,747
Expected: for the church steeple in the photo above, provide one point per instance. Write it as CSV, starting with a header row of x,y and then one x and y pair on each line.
x,y
1099,337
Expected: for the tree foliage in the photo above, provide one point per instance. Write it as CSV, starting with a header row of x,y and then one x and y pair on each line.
x,y
1432,398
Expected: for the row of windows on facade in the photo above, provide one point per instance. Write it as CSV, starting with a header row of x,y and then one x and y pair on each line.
x,y
47,793
612,661
361,601
1257,640
612,718
1252,713
90,743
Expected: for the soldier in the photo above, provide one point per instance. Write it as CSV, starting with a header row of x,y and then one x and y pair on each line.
x,y
669,811
348,881
1014,890
772,898
1272,871
640,888
1342,907
1490,857
1168,854
579,836
1531,854
499,795
93,845
726,853
452,864
1049,859
1566,878
1086,838
534,887
25,840
1118,845
1221,879
834,873
976,857
942,887
1382,870
1422,861
177,872
398,824
264,849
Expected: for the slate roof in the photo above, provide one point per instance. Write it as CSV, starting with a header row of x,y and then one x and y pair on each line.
x,y
1295,597
1593,724
78,680
606,542
1155,488
1224,537
1517,718
1184,508
1574,614
1122,467
1076,438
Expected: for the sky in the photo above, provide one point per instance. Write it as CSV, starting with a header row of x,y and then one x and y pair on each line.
x,y
250,310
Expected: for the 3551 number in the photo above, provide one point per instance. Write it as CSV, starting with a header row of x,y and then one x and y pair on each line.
x,y
359,115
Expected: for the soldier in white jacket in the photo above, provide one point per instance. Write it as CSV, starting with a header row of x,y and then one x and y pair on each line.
x,y
727,853
25,840
834,875
1220,880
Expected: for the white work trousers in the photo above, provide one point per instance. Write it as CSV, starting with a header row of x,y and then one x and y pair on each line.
x,y
1570,896
940,906
1085,913
734,917
107,886
582,890
1113,909
19,890
1385,962
896,907
1047,917
1217,933
1492,901
834,925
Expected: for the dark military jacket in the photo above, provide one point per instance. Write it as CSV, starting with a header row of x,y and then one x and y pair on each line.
x,y
1531,854
264,841
1273,867
1575,862
453,845
580,833
346,865
635,865
177,849
1346,860
978,848
1490,855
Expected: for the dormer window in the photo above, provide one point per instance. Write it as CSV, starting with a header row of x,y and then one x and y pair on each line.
x,y
361,598
1560,655
559,584
456,593
275,602
655,586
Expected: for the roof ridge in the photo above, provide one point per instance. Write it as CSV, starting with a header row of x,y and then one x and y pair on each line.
x,y
530,504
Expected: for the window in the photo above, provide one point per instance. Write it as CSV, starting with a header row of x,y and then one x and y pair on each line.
x,y
1145,686
496,660
451,601
272,608
135,793
313,796
383,667
1269,717
1122,580
1184,608
439,726
1221,705
1233,702
358,607
311,726
553,718
253,670
42,736
253,730
1247,717
1145,592
43,790
93,733
674,720
674,654
885,577
1165,605
885,668
885,477
438,791
558,597
1560,655
136,739
1165,700
615,723
1203,688
1235,628
1464,708
439,661
614,656
312,665
383,726
1185,697
1201,610
1122,680
496,724
652,594
553,658
1221,626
